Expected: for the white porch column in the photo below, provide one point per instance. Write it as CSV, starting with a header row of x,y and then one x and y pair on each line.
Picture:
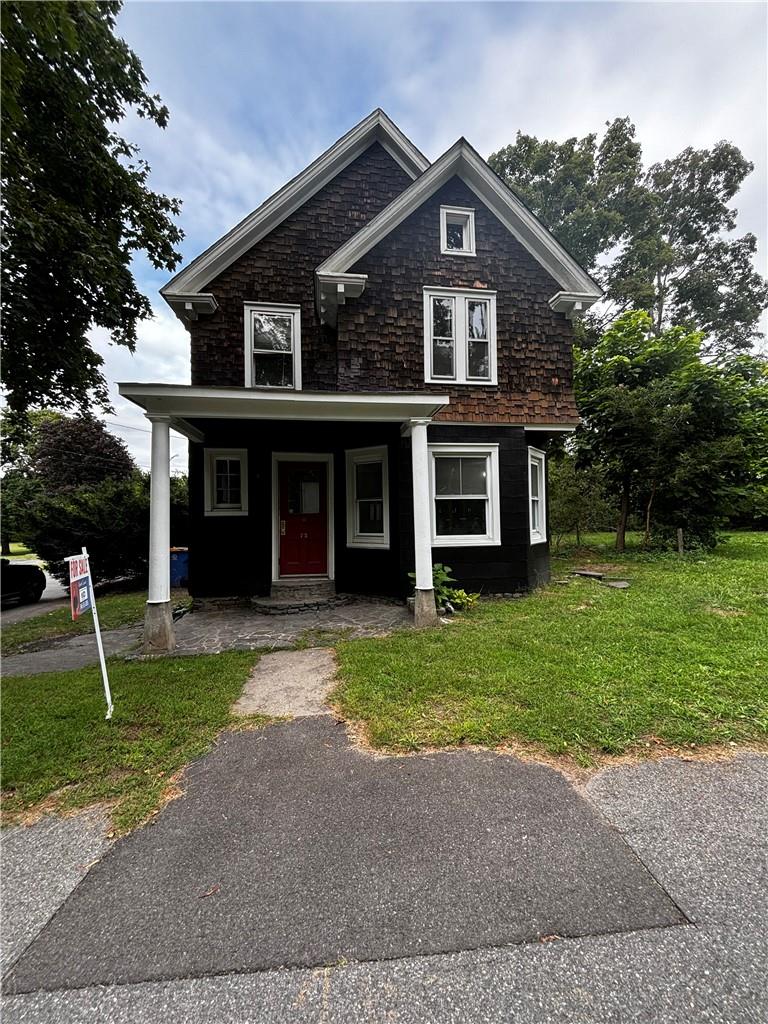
x,y
158,620
425,613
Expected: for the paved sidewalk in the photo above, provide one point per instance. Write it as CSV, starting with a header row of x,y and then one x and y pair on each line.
x,y
74,652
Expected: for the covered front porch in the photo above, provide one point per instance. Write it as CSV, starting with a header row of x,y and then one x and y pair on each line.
x,y
289,491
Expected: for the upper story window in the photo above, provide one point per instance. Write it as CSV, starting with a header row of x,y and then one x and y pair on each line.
x,y
457,231
226,482
367,498
459,336
272,346
537,496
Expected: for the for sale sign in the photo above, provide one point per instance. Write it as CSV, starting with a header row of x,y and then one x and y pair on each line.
x,y
82,600
79,585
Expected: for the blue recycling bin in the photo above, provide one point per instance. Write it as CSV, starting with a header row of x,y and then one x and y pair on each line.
x,y
179,567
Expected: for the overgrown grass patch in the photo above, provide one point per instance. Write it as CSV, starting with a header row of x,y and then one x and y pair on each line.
x,y
58,748
582,669
115,611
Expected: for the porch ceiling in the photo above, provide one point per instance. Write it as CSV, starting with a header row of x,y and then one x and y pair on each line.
x,y
183,401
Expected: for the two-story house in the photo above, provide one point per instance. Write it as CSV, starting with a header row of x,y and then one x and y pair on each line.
x,y
380,353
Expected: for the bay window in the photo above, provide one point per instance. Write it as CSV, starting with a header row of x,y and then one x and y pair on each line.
x,y
537,498
465,495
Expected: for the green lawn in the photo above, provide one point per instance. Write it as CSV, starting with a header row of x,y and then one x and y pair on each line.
x,y
19,550
57,746
581,669
115,610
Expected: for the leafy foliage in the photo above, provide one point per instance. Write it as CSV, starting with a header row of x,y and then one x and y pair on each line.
x,y
76,452
683,439
657,238
76,201
110,518
578,498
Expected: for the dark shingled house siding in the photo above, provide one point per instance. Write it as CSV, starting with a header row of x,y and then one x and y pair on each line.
x,y
281,268
381,335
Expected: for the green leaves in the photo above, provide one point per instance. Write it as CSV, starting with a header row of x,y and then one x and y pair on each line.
x,y
77,204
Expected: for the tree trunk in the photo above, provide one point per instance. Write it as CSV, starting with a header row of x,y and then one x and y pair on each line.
x,y
647,537
6,545
621,529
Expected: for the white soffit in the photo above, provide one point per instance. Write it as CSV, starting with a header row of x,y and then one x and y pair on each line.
x,y
462,160
184,402
377,127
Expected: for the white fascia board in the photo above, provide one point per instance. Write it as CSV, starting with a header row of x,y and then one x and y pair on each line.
x,y
463,161
183,401
377,127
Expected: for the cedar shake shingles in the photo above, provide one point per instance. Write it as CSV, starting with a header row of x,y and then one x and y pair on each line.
x,y
381,335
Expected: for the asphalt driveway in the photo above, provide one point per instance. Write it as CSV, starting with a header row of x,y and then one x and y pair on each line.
x,y
417,889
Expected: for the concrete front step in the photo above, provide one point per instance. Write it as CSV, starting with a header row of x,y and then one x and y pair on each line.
x,y
299,590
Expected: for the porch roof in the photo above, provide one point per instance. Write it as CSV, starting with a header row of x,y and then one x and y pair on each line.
x,y
181,402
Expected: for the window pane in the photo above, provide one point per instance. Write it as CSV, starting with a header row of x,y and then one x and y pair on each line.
x,y
535,513
458,517
534,479
271,332
477,317
370,517
310,497
474,476
275,371
442,358
442,318
479,363
369,480
447,475
227,481
454,233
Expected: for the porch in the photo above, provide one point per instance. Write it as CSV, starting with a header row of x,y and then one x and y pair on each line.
x,y
298,490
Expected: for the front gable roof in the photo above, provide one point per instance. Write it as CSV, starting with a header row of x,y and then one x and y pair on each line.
x,y
185,291
577,291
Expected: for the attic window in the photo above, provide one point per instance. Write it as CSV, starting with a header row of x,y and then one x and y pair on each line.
x,y
457,231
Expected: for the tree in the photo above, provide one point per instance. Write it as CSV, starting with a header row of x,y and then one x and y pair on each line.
x,y
578,501
657,239
679,438
72,452
76,201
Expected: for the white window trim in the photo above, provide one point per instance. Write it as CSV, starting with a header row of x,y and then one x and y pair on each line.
x,y
356,457
271,307
469,235
538,458
462,297
209,478
492,537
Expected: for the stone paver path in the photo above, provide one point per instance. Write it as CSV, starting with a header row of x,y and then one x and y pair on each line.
x,y
210,632
289,683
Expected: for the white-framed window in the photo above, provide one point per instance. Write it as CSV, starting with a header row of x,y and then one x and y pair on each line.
x,y
457,231
272,346
367,498
537,495
464,487
459,336
226,482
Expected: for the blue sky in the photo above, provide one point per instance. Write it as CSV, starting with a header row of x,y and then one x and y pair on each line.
x,y
258,90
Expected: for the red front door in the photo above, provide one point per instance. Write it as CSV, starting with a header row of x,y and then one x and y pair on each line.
x,y
303,526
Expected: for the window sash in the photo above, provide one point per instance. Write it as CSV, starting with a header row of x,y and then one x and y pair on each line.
x,y
225,481
280,366
462,502
371,530
472,339
537,495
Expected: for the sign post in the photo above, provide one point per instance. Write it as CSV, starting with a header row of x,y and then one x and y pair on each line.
x,y
82,599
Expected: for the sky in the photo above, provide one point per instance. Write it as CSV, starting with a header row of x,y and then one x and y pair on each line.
x,y
257,90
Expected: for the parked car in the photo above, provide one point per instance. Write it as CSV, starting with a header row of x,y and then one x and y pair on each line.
x,y
21,582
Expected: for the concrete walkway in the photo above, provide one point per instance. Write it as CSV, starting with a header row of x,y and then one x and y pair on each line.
x,y
72,653
524,854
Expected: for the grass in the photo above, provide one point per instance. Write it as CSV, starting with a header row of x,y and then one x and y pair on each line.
x,y
58,748
679,658
115,610
19,550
